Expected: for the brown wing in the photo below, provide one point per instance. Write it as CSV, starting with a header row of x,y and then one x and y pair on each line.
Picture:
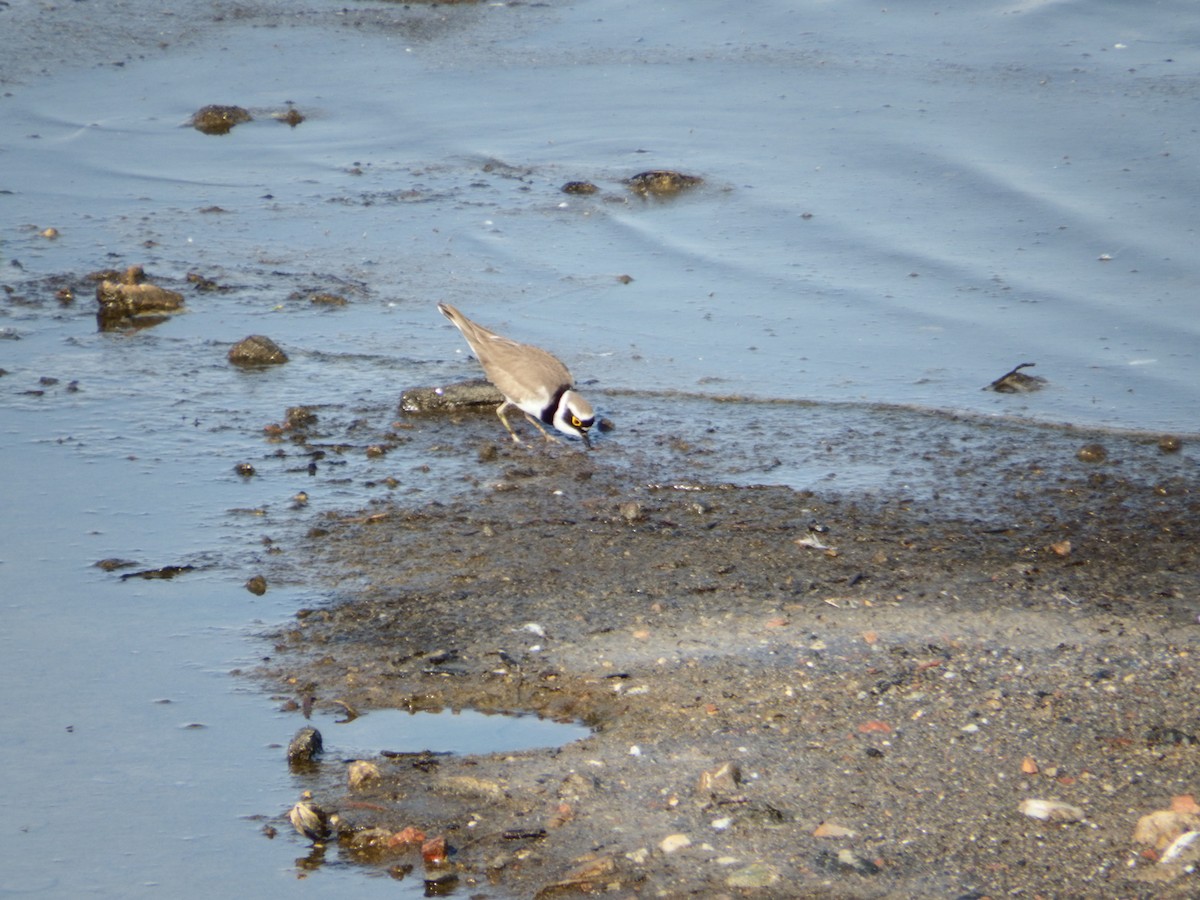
x,y
520,371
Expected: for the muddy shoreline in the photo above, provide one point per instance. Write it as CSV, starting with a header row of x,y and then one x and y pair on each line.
x,y
886,682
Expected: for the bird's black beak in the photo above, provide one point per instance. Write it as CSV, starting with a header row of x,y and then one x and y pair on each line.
x,y
587,441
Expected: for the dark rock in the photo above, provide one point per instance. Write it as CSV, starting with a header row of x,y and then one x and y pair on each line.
x,y
1017,382
130,275
579,187
123,301
327,300
1169,443
256,350
297,417
305,746
662,183
165,573
203,283
1170,736
219,119
310,820
462,395
291,116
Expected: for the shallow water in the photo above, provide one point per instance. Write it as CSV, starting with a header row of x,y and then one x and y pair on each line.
x,y
900,205
964,172
462,731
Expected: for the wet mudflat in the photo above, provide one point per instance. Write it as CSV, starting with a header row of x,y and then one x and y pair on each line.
x,y
842,693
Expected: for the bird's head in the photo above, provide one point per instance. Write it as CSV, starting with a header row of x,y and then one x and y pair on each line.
x,y
574,416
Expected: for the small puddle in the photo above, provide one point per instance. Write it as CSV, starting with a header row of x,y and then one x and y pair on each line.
x,y
463,732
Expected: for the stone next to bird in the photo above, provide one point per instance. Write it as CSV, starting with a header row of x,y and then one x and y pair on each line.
x,y
472,394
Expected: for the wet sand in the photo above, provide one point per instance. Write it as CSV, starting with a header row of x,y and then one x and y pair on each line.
x,y
867,663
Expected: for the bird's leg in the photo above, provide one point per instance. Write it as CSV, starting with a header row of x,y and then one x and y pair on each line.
x,y
538,425
500,412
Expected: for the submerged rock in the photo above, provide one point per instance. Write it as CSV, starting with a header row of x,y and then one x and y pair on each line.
x,y
257,350
290,116
1169,443
299,417
579,187
164,573
327,300
215,119
1017,382
662,183
112,563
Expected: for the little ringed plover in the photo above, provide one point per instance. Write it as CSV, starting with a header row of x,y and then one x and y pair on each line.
x,y
530,379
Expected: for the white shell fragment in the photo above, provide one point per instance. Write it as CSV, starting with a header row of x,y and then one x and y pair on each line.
x,y
1181,850
1051,810
673,842
812,542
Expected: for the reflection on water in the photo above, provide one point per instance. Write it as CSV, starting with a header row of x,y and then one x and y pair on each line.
x,y
464,731
898,207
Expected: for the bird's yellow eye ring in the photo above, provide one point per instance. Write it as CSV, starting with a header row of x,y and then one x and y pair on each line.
x,y
575,421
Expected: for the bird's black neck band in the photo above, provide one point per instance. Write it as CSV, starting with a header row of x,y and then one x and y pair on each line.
x,y
552,406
